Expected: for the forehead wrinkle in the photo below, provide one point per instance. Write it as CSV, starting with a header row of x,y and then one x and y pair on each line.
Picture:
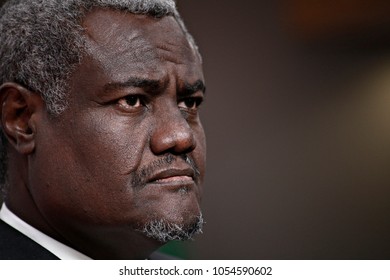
x,y
107,44
131,52
175,51
134,46
141,61
176,56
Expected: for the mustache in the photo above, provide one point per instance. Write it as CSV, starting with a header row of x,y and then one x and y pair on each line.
x,y
140,177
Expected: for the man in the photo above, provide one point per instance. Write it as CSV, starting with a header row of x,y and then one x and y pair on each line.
x,y
103,149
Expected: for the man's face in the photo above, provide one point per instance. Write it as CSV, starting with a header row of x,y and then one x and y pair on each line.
x,y
130,148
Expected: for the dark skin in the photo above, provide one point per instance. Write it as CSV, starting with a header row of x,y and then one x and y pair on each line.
x,y
129,148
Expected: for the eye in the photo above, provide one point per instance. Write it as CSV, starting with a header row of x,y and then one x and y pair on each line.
x,y
130,102
190,103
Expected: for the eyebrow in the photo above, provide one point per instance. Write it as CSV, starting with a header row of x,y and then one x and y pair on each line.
x,y
193,88
153,86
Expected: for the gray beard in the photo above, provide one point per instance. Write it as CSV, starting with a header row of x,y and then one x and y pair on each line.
x,y
164,231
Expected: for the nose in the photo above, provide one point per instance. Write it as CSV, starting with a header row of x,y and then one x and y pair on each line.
x,y
172,133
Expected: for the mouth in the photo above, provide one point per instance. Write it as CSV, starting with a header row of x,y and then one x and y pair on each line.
x,y
175,178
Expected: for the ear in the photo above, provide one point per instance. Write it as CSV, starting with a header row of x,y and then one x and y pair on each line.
x,y
18,106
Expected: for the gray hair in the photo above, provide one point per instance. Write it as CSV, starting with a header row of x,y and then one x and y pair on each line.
x,y
42,41
165,231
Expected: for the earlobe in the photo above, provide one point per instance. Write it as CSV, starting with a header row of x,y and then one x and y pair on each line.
x,y
18,106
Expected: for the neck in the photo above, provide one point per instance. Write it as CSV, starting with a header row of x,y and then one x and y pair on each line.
x,y
19,198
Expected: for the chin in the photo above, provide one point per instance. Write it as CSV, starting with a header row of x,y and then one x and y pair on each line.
x,y
170,215
164,230
181,222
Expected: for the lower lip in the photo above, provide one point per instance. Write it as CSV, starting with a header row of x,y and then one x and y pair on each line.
x,y
174,179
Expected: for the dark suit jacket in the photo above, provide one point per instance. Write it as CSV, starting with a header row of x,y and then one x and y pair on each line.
x,y
16,246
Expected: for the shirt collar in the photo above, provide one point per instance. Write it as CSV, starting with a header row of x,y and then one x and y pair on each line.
x,y
59,249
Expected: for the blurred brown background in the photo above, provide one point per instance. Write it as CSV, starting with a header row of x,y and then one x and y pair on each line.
x,y
298,125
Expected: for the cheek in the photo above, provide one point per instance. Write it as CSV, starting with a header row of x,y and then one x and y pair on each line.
x,y
88,164
110,151
116,144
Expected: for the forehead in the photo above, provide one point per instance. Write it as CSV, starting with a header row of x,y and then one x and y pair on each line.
x,y
123,43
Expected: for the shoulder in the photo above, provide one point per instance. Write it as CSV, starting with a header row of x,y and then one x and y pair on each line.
x,y
16,246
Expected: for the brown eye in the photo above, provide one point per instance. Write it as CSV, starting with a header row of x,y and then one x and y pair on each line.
x,y
130,102
190,103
